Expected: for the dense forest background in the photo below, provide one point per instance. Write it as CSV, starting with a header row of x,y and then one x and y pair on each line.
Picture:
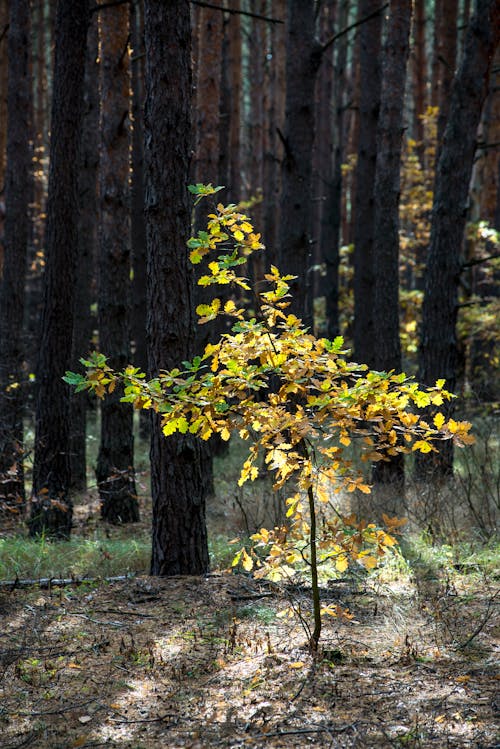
x,y
363,140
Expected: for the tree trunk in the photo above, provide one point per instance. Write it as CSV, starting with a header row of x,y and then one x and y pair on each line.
x,y
274,113
208,92
303,57
438,349
87,243
448,60
115,462
332,212
234,91
177,483
4,66
137,221
419,70
370,34
51,510
14,266
387,353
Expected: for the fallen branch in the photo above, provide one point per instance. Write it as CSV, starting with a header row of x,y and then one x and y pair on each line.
x,y
58,582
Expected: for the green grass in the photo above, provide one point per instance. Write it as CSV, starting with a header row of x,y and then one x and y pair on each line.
x,y
25,558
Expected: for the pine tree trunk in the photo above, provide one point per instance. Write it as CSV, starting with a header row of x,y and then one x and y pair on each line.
x,y
438,349
387,352
115,462
177,483
4,66
274,114
419,70
14,262
332,212
369,103
87,244
51,510
448,59
303,57
234,92
137,220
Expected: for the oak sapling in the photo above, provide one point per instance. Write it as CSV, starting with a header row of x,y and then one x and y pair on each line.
x,y
301,426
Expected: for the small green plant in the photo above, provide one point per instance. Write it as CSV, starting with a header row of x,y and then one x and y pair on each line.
x,y
297,399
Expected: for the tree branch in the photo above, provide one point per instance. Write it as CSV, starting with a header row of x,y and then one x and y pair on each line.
x,y
480,260
232,11
4,31
354,25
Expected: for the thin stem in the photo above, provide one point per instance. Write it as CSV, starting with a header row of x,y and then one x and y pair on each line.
x,y
313,642
314,639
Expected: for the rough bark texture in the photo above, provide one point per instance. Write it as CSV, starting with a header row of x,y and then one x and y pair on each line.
x,y
208,88
419,73
177,483
51,510
274,113
138,223
303,57
14,266
332,212
438,350
115,462
4,64
369,104
87,243
387,353
447,59
234,91
323,148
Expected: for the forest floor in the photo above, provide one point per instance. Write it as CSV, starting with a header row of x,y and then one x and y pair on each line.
x,y
209,662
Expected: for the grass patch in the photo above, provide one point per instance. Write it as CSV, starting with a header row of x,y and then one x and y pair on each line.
x,y
80,557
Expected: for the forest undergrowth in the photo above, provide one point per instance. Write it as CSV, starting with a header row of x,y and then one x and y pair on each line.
x,y
218,661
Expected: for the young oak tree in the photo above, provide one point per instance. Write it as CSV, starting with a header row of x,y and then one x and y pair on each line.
x,y
299,402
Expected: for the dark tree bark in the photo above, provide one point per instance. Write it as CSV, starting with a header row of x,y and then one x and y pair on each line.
x,y
274,113
447,59
115,462
51,510
419,74
387,352
87,243
208,92
224,108
138,223
177,483
323,148
4,65
303,57
438,349
369,103
14,266
332,212
234,92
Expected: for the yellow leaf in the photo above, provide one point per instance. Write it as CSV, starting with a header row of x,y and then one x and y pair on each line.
x,y
344,440
439,420
225,434
368,562
247,561
342,563
423,446
239,236
296,664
